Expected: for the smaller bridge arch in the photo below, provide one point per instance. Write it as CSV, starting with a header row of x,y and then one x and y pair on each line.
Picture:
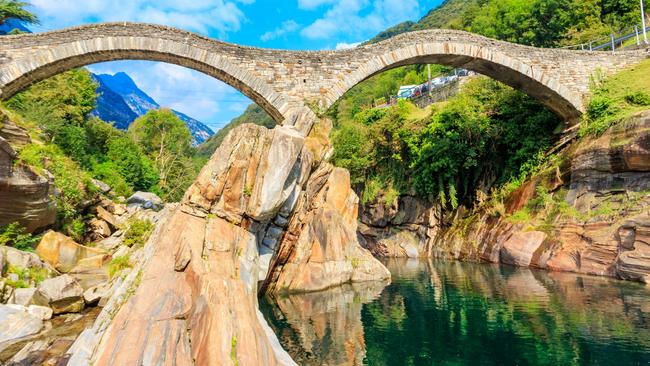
x,y
557,78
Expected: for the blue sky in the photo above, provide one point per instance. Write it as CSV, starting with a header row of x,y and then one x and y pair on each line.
x,y
294,24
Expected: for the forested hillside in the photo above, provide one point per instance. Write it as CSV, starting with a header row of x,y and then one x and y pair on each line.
x,y
543,23
155,154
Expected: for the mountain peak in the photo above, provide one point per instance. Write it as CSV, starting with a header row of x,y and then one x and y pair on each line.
x,y
121,101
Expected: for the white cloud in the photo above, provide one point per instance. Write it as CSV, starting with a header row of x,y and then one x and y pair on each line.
x,y
345,46
312,4
355,18
288,26
216,17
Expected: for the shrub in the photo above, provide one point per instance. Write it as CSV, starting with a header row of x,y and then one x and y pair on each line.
x,y
638,98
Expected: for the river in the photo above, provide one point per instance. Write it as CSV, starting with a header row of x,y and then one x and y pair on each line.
x,y
453,313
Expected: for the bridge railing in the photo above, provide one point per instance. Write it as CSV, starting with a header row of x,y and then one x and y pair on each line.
x,y
614,41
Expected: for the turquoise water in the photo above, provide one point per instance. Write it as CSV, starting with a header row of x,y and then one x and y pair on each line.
x,y
451,313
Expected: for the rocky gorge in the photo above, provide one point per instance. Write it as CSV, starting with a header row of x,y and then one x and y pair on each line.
x,y
585,213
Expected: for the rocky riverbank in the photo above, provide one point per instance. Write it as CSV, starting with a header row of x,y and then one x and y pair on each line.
x,y
587,213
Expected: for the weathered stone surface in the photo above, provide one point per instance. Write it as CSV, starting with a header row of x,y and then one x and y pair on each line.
x,y
26,297
100,228
64,254
25,197
146,200
285,82
12,133
257,177
63,294
103,214
518,250
16,323
322,245
103,187
20,259
405,230
633,263
205,314
96,293
40,312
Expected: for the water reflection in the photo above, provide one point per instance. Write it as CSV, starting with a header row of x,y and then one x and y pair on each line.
x,y
323,328
466,314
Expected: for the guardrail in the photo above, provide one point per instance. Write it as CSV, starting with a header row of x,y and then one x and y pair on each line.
x,y
613,42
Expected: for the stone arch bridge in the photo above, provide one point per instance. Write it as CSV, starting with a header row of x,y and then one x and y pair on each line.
x,y
289,84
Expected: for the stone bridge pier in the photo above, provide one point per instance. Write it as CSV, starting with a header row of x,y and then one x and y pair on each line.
x,y
291,85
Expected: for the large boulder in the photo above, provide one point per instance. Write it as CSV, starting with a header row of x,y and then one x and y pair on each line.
x,y
64,254
20,259
63,294
146,200
16,324
26,297
25,196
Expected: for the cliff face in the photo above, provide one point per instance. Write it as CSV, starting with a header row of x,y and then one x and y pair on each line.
x,y
589,214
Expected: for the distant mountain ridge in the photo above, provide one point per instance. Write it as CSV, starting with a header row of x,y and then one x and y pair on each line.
x,y
121,101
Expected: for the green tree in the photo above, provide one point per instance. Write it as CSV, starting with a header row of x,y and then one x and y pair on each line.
x,y
13,9
168,143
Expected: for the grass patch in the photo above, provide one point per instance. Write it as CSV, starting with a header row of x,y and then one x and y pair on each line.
x,y
118,264
26,276
616,97
138,233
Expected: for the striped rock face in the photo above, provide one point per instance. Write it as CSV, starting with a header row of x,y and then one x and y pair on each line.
x,y
289,84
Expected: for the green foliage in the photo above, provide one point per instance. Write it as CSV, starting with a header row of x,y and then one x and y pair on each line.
x,y
65,99
16,9
543,23
138,233
616,98
167,142
73,183
118,264
26,276
124,154
486,135
15,235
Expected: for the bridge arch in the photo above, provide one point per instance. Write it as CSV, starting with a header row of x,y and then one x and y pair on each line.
x,y
540,84
59,51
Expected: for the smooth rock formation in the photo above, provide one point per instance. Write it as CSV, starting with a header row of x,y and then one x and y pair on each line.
x,y
64,254
16,323
25,197
63,294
